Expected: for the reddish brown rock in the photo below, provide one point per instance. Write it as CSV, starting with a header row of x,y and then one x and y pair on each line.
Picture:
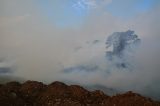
x,y
32,93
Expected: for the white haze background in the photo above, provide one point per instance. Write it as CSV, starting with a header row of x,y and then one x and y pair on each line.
x,y
36,49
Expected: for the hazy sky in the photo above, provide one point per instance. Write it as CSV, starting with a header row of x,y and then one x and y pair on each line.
x,y
39,39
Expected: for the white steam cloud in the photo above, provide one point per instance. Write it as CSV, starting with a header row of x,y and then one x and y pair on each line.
x,y
35,49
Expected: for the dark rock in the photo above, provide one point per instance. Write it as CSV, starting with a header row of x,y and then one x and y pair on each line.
x,y
32,93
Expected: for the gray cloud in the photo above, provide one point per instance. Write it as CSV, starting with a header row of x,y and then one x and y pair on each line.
x,y
38,50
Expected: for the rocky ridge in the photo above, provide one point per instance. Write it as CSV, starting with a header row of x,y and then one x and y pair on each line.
x,y
33,93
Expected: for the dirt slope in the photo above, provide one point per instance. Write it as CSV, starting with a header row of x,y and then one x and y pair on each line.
x,y
32,93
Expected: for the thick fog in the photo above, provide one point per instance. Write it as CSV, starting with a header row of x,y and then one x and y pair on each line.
x,y
33,47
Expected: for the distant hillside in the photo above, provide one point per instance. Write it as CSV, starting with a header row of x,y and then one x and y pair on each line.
x,y
8,78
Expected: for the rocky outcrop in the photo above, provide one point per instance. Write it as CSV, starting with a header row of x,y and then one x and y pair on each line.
x,y
32,93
